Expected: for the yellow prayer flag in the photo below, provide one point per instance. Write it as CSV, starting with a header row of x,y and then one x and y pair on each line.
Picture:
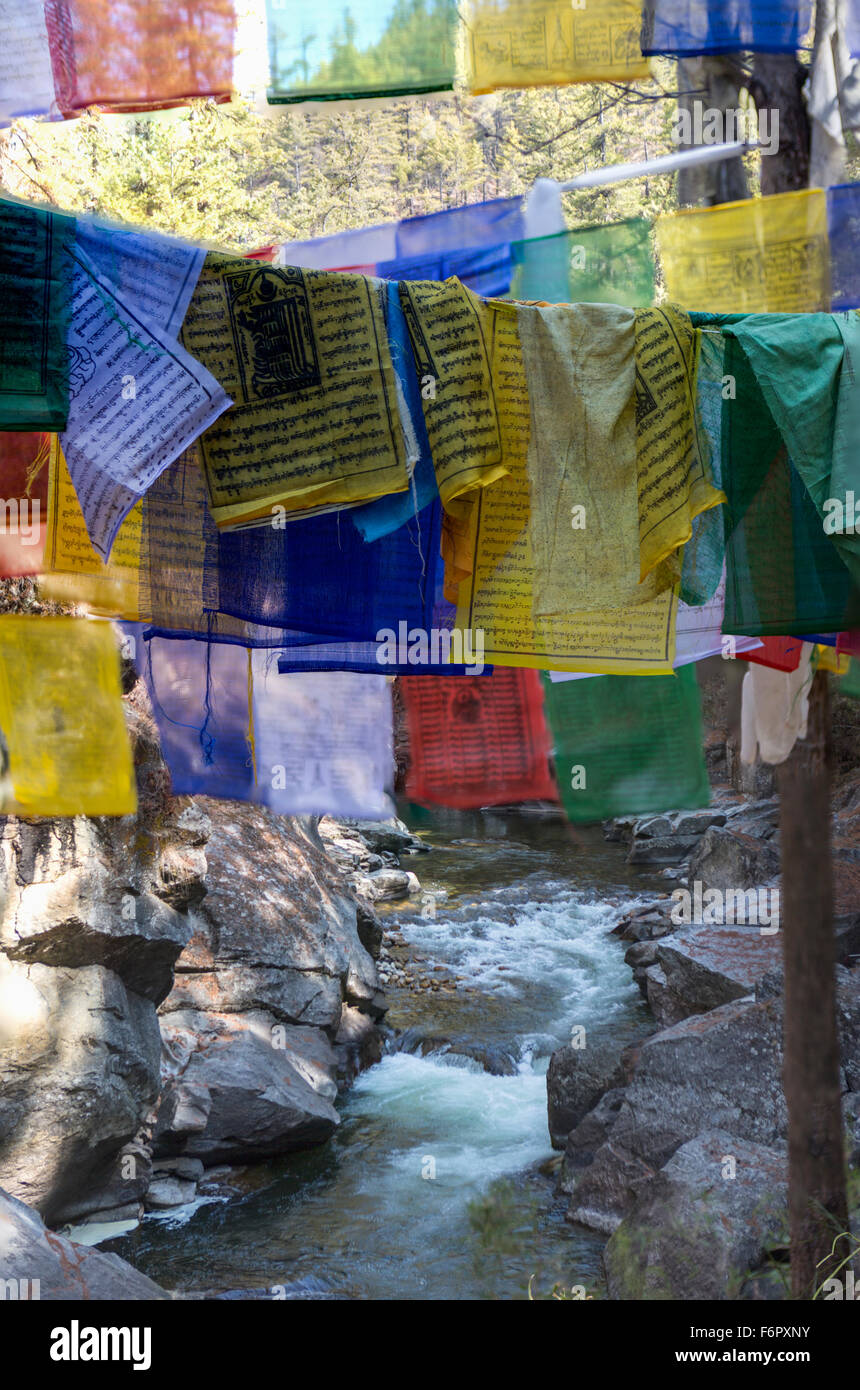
x,y
636,633
304,355
73,572
761,255
672,450
530,43
66,748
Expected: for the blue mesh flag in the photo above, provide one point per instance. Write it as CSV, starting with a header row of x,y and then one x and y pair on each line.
x,y
686,27
843,227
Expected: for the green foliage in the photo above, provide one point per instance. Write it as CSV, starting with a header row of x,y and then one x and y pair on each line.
x,y
235,177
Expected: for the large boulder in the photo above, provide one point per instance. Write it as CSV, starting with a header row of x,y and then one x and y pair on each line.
x,y
36,1263
701,1223
703,967
243,1087
732,859
720,1069
278,930
93,914
79,1068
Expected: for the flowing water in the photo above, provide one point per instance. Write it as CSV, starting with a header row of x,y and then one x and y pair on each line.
x,y
439,1182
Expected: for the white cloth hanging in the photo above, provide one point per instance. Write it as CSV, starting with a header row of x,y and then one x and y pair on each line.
x,y
774,709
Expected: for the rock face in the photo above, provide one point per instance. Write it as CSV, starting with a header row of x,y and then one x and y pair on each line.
x,y
708,1215
35,1263
704,967
94,914
275,999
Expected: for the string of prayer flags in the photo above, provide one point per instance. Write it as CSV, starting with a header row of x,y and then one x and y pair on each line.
x,y
35,314
170,568
153,274
64,747
684,28
703,563
140,54
624,746
305,358
529,43
486,270
780,653
231,726
455,229
698,635
784,573
357,250
605,264
23,502
380,49
386,514
843,226
673,452
849,683
477,743
759,255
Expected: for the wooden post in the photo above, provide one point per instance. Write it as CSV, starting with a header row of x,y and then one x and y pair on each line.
x,y
818,1211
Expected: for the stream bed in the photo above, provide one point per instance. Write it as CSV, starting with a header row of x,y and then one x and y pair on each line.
x,y
439,1182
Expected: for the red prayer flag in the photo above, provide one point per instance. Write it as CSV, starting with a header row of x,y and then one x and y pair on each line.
x,y
137,55
477,741
23,502
780,653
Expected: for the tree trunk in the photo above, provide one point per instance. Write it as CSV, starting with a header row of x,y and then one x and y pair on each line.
x,y
818,1211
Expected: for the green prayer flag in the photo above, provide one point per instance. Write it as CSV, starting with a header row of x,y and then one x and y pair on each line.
x,y
333,50
849,684
627,744
35,306
611,263
784,574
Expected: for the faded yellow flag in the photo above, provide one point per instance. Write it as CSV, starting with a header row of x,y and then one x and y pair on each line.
x,y
530,43
66,749
761,255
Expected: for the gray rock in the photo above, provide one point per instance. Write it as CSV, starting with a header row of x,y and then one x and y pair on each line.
x,y
660,851
729,859
169,1192
588,1136
703,967
722,1070
79,1068
191,1169
694,1233
278,930
575,1081
389,885
122,1189
260,1091
357,1045
697,822
388,835
64,1271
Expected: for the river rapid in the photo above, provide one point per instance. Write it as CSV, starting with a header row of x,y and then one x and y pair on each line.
x,y
439,1182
